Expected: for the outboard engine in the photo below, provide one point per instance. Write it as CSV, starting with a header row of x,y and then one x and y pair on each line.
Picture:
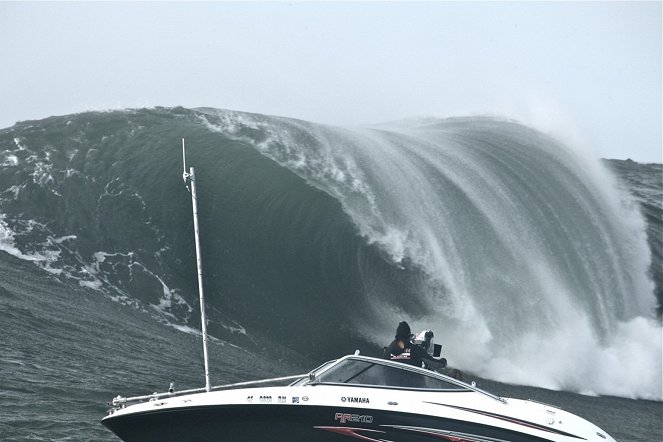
x,y
424,339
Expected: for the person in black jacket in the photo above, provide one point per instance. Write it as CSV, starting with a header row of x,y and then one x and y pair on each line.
x,y
403,350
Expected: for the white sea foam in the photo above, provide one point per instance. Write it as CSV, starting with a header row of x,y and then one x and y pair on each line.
x,y
62,239
94,284
185,329
8,245
19,144
42,173
235,328
72,172
195,332
15,190
169,299
10,160
627,364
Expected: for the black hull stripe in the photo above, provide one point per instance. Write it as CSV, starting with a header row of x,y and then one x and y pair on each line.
x,y
511,419
452,436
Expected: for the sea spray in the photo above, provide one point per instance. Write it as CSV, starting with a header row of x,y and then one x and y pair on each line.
x,y
535,262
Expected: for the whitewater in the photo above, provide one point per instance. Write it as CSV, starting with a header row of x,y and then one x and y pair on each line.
x,y
535,264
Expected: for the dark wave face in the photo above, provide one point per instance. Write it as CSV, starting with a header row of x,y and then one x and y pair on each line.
x,y
530,262
645,183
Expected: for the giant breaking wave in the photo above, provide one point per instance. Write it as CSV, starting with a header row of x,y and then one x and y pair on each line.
x,y
530,262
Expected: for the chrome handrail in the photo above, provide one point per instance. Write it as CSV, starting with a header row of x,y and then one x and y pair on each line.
x,y
120,401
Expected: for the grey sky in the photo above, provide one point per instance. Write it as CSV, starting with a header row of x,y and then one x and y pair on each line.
x,y
588,71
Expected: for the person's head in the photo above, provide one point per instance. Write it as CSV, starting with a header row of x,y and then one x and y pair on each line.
x,y
403,331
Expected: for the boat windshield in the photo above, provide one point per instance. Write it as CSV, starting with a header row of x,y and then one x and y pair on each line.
x,y
364,372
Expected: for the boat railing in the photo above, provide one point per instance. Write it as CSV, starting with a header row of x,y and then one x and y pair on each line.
x,y
471,386
121,401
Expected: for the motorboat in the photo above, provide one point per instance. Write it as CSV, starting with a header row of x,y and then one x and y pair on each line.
x,y
354,397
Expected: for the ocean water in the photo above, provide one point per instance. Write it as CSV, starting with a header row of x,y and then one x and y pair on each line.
x,y
539,269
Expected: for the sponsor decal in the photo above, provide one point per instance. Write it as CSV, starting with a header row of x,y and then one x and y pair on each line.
x,y
305,398
355,400
295,399
282,399
265,399
249,399
347,417
403,356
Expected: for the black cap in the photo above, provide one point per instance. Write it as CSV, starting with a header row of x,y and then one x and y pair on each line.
x,y
403,331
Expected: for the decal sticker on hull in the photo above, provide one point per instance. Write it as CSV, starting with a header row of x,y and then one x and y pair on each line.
x,y
355,400
347,417
452,436
354,432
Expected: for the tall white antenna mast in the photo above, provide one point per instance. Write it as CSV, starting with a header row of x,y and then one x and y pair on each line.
x,y
191,177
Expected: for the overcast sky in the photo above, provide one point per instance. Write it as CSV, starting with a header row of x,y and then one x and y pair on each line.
x,y
590,71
